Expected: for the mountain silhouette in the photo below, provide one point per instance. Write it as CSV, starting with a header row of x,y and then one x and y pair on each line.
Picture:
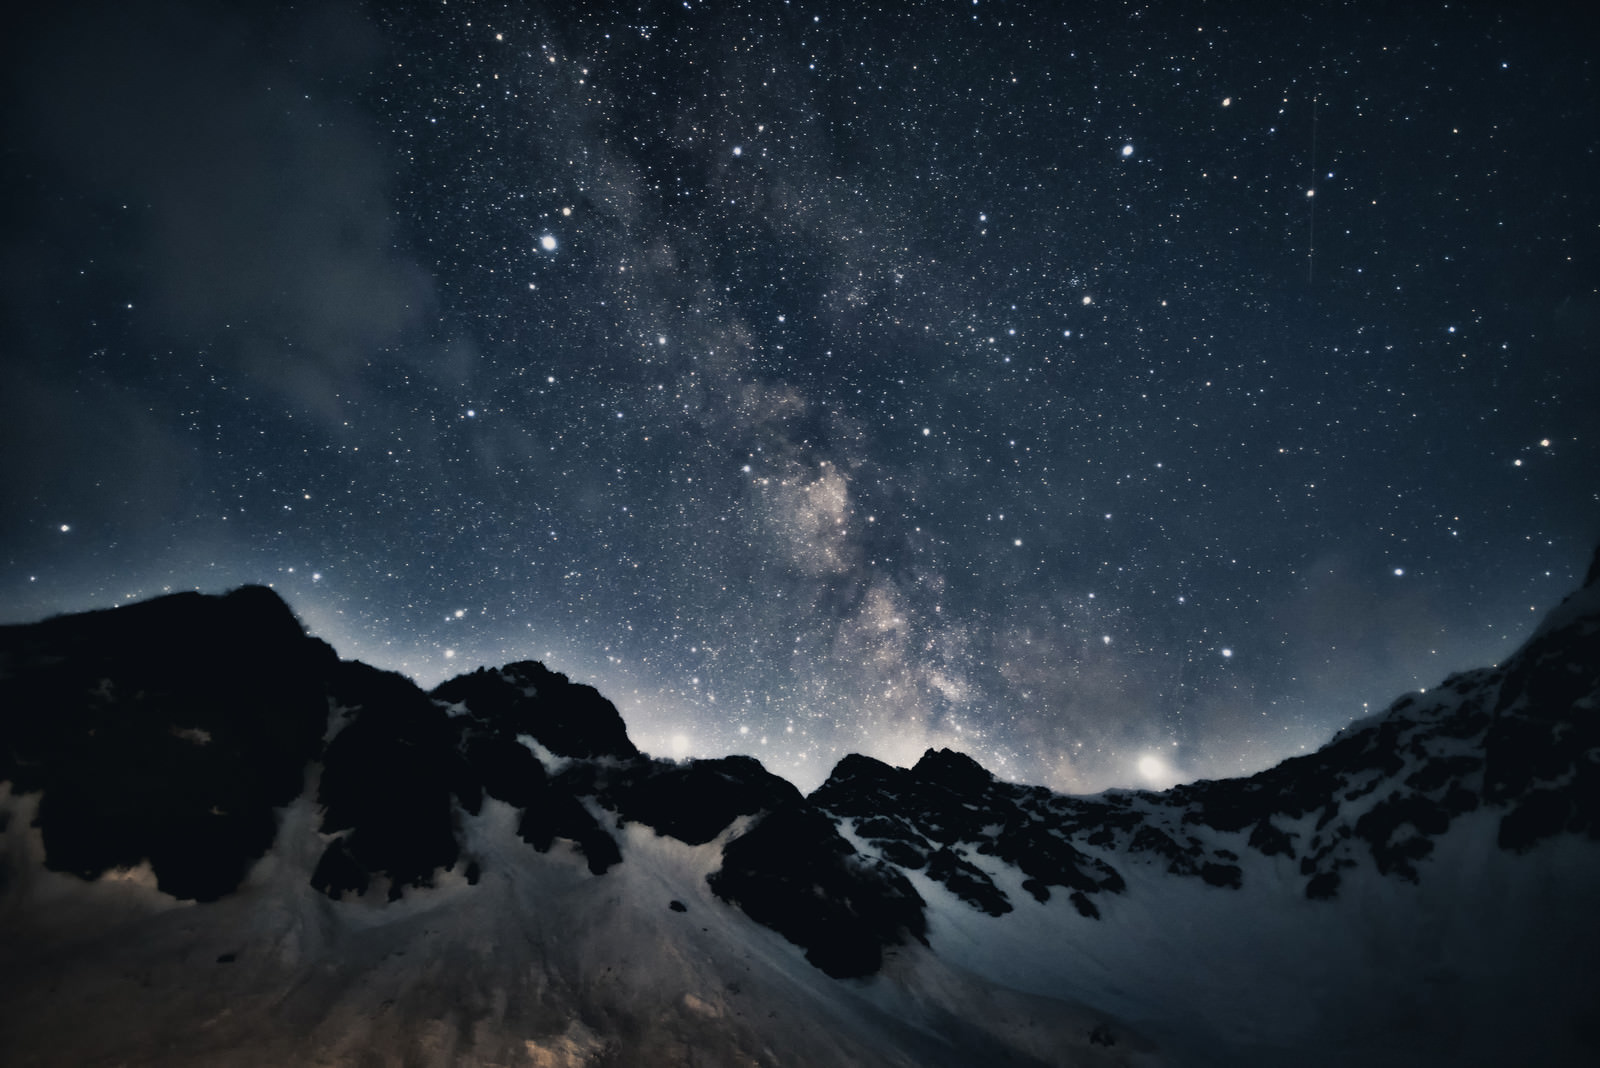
x,y
238,848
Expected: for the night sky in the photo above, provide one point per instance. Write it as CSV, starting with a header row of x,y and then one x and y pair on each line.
x,y
1117,392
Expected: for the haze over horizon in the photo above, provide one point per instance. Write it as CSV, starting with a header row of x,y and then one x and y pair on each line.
x,y
1118,396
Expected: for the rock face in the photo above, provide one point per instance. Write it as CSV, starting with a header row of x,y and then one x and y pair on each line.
x,y
173,733
794,873
166,731
569,719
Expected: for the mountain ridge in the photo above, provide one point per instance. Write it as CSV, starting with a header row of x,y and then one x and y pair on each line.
x,y
172,737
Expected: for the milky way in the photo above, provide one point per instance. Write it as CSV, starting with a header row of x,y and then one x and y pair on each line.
x,y
813,378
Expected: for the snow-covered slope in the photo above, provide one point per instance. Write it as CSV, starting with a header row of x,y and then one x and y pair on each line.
x,y
1420,890
540,963
222,845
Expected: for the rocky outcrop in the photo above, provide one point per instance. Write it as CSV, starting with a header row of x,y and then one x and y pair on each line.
x,y
526,698
796,874
166,731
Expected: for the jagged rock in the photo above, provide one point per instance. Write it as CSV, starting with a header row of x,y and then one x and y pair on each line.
x,y
555,813
953,771
390,777
793,872
164,731
860,785
1049,860
569,719
695,802
1382,825
1271,841
968,882
1442,771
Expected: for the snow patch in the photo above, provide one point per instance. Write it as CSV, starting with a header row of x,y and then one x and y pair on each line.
x,y
554,764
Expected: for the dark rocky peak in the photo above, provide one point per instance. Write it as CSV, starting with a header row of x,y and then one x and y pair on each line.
x,y
954,771
935,815
569,719
395,777
165,731
948,795
226,638
695,802
361,692
861,785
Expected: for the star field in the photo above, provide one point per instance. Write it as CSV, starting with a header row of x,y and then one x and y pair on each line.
x,y
1121,396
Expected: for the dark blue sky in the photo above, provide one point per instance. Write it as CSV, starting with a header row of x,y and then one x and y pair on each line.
x,y
814,378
